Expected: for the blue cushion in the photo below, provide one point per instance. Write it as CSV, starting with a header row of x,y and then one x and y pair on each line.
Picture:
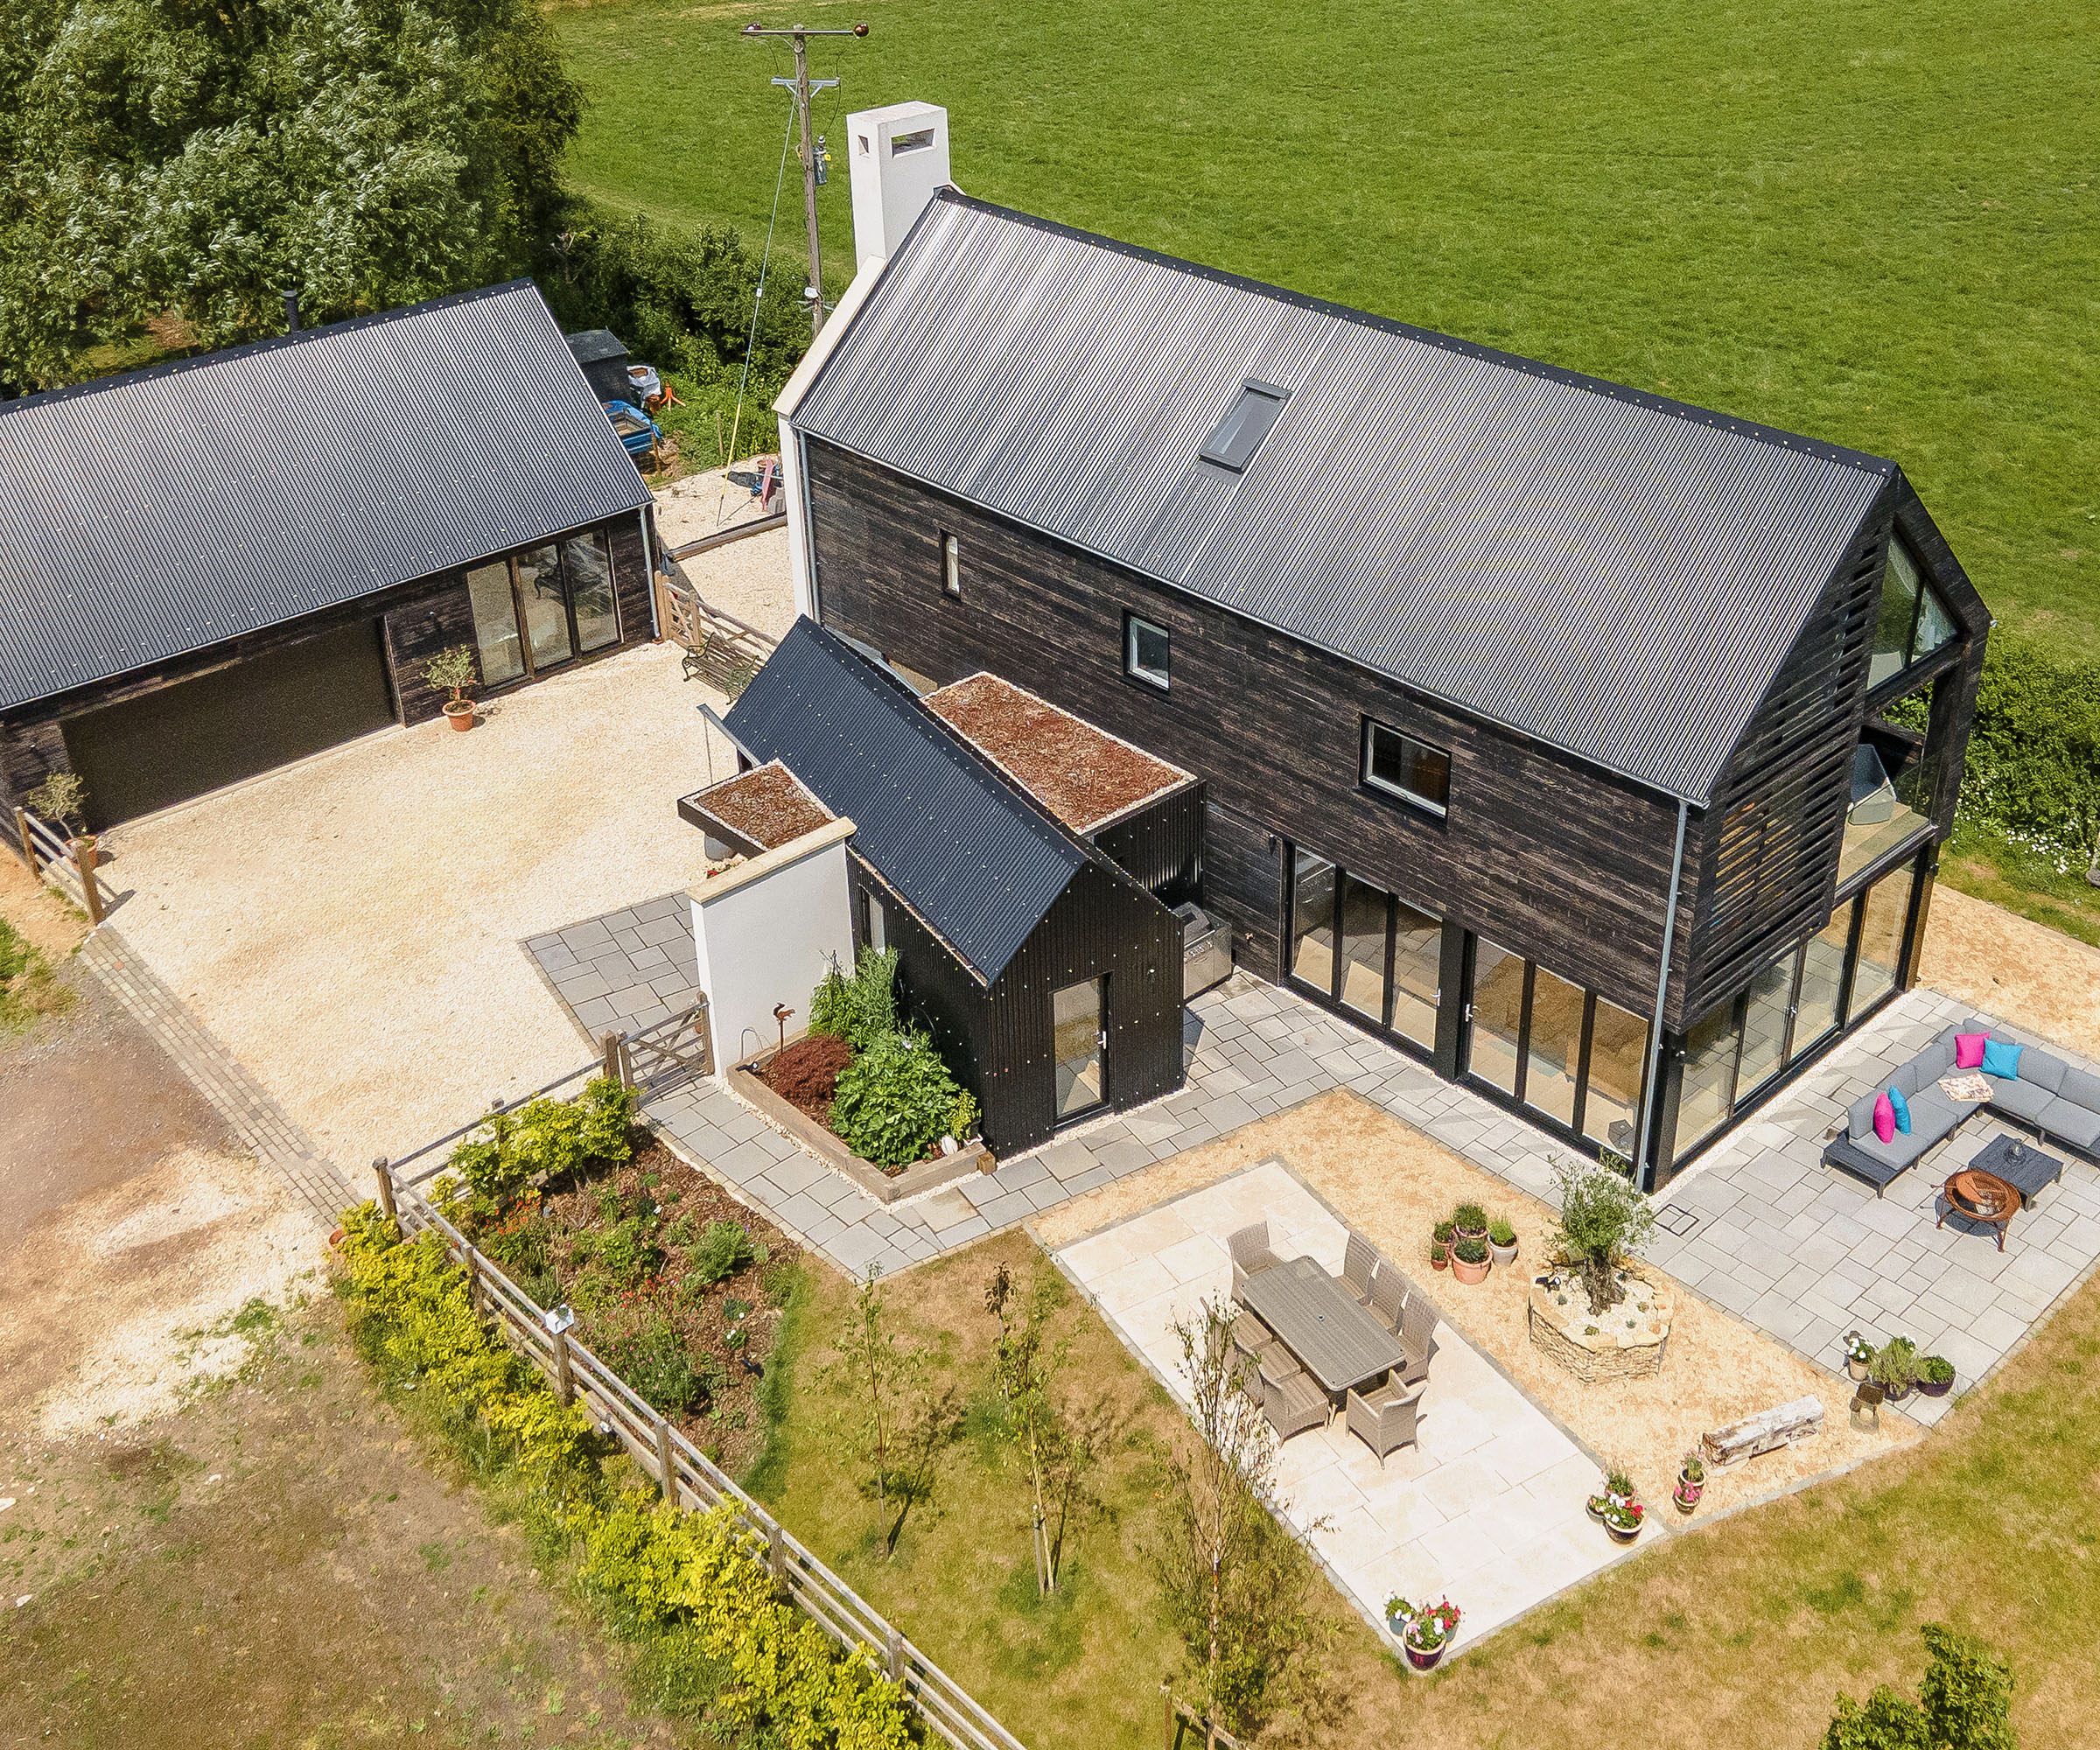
x,y
2001,1057
1902,1108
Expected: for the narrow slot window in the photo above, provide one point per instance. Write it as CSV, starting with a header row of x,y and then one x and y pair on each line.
x,y
1403,767
951,566
1145,650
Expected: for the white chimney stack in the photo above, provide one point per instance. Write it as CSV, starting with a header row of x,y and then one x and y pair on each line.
x,y
899,157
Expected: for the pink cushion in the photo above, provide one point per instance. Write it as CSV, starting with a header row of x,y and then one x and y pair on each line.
x,y
1969,1050
1884,1119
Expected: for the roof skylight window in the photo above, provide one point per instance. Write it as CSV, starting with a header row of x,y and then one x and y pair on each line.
x,y
1240,433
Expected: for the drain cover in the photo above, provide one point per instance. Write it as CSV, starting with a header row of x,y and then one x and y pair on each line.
x,y
1676,1219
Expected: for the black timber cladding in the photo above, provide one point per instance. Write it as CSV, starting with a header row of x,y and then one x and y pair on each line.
x,y
1608,572
979,861
151,515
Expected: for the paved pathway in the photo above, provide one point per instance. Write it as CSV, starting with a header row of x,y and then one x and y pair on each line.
x,y
1758,1226
1487,1506
261,1124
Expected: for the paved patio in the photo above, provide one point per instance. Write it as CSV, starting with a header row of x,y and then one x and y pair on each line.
x,y
1488,1507
1807,1254
1758,1226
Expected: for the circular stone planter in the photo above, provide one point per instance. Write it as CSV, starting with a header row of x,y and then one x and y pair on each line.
x,y
1627,1342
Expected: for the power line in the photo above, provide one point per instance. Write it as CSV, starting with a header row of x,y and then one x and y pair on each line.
x,y
802,85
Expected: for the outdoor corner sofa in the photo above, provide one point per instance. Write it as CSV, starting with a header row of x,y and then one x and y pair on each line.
x,y
2056,1100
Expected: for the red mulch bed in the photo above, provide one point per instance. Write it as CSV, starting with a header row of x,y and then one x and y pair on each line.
x,y
1081,773
806,1074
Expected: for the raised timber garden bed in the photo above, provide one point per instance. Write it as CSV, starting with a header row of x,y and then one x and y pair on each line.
x,y
749,1086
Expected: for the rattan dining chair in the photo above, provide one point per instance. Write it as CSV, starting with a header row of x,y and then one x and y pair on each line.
x,y
1389,1295
1292,1403
1359,1259
1384,1418
1251,1255
1417,1337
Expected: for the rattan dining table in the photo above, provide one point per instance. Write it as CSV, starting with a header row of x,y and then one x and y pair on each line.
x,y
1339,1342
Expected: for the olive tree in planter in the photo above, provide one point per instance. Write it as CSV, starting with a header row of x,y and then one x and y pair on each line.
x,y
455,671
1604,1220
63,797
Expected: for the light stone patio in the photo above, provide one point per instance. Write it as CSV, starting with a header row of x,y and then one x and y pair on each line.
x,y
1488,1507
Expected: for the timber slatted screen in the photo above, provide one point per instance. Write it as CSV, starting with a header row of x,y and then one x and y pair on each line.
x,y
693,1481
1781,806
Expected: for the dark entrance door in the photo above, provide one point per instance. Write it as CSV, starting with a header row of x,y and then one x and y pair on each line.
x,y
1079,1023
169,745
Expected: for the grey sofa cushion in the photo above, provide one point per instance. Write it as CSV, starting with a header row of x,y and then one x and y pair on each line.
x,y
2080,1088
1859,1116
1900,1150
1936,1058
1934,1116
2077,1125
1917,1074
2022,1098
2042,1070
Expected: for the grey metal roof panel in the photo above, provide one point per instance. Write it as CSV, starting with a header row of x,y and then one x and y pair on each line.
x,y
145,516
594,345
1604,570
975,858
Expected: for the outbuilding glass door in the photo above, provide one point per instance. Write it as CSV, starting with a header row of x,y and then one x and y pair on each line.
x,y
1079,1025
536,610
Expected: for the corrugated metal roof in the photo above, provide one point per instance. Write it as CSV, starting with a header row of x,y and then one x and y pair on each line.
x,y
144,516
1608,572
973,856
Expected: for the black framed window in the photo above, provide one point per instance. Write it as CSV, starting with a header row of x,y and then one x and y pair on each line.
x,y
1146,651
951,566
1403,767
1367,951
1912,622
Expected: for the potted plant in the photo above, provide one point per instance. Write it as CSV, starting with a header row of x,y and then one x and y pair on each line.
x,y
1439,1255
1469,1260
1935,1376
1425,1630
1618,1490
1623,1521
63,797
1501,1241
1469,1221
1692,1482
1895,1369
1603,1219
1858,1355
455,670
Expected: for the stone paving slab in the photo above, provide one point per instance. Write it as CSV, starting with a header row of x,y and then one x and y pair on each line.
x,y
625,970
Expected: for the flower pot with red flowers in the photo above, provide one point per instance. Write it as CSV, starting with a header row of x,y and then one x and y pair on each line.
x,y
1691,1483
1469,1261
455,671
1425,1631
1623,1521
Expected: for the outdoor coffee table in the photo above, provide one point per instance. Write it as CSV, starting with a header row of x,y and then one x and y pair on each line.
x,y
1318,1320
2020,1165
1982,1197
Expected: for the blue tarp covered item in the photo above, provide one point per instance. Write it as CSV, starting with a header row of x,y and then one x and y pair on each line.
x,y
637,430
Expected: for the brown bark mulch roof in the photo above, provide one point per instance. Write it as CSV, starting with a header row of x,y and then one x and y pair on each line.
x,y
767,806
1082,774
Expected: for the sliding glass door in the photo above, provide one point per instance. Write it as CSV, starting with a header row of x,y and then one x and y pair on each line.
x,y
1370,951
536,610
1563,1053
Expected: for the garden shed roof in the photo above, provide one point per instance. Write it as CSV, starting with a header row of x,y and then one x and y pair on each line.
x,y
142,517
974,856
1610,572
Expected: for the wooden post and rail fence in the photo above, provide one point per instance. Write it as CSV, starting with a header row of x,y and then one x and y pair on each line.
x,y
67,864
688,1479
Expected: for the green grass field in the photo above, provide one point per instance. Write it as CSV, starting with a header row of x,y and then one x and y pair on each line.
x,y
1873,224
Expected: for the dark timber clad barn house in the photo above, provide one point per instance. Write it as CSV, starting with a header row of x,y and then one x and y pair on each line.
x,y
213,567
1594,747
1049,978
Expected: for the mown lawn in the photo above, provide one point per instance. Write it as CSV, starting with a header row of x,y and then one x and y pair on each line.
x,y
1875,224
1736,1637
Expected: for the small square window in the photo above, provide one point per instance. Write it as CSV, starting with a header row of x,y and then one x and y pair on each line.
x,y
951,566
1403,767
1144,651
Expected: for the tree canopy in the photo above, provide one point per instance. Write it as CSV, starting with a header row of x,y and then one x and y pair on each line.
x,y
207,155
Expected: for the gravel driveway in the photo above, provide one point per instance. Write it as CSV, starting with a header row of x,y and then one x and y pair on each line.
x,y
350,927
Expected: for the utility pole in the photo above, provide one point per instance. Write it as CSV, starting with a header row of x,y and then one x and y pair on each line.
x,y
803,85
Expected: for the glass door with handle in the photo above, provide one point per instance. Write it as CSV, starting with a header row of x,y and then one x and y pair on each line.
x,y
1080,1038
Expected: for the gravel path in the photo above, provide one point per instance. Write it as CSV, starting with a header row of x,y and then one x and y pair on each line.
x,y
350,927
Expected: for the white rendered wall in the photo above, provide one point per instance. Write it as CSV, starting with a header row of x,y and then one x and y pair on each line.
x,y
893,174
766,931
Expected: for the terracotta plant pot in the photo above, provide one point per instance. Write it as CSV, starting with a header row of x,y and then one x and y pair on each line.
x,y
1436,1260
461,711
1470,1272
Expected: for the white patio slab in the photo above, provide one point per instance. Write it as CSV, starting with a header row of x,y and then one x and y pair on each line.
x,y
1488,1507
